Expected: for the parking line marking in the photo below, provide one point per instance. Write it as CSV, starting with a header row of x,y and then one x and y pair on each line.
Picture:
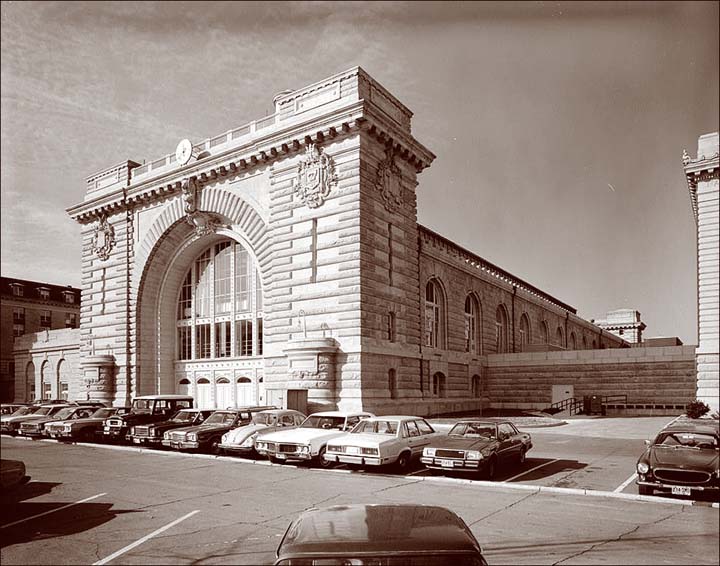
x,y
530,470
416,472
144,539
52,511
624,484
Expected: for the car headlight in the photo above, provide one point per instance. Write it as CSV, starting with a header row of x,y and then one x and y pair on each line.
x,y
642,468
429,452
249,441
67,428
132,430
192,437
473,455
166,436
261,445
304,449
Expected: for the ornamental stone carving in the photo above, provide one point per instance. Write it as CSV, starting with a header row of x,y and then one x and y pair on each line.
x,y
103,240
204,223
315,178
389,182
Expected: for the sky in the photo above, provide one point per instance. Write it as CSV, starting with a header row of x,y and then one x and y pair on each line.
x,y
558,127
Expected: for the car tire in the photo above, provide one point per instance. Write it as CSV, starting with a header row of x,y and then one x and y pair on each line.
x,y
403,462
213,447
645,490
322,462
491,468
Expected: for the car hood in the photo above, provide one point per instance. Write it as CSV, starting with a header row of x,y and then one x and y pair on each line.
x,y
302,435
238,435
88,420
32,418
363,440
19,418
458,443
687,458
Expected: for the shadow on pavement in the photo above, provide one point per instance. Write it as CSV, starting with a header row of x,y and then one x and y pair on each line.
x,y
28,491
69,521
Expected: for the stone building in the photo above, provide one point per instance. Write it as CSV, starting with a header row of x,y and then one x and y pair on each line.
x,y
282,261
702,179
625,323
27,307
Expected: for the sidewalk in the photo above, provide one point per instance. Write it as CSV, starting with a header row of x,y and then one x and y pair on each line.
x,y
610,427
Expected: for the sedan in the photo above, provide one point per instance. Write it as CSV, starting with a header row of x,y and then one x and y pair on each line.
x,y
83,429
382,440
477,446
35,427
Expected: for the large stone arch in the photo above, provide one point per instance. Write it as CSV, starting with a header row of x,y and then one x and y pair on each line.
x,y
163,258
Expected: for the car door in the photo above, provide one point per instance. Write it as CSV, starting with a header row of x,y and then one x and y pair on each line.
x,y
509,442
415,440
426,433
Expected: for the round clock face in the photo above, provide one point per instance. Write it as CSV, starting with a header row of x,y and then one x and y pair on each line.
x,y
183,152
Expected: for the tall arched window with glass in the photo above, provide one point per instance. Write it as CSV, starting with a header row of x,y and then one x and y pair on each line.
x,y
524,332
219,311
433,314
501,330
471,325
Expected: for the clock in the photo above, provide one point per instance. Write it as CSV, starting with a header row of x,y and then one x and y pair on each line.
x,y
183,152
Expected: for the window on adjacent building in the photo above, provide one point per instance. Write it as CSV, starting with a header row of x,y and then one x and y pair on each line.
x,y
560,337
524,332
219,305
573,342
434,315
69,297
392,384
476,386
501,330
18,315
390,323
45,319
70,320
472,319
18,330
438,385
17,289
44,293
544,334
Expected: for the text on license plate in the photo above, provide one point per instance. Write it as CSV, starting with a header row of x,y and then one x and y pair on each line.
x,y
447,463
353,450
680,490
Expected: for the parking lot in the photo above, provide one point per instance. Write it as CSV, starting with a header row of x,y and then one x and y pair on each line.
x,y
571,502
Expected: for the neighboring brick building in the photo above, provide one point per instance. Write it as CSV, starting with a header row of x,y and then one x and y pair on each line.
x,y
283,259
27,307
703,178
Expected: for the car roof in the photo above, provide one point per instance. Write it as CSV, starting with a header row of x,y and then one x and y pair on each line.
x,y
281,411
396,418
171,397
341,414
707,426
371,528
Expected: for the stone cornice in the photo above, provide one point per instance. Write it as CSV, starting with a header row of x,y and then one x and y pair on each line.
x,y
698,170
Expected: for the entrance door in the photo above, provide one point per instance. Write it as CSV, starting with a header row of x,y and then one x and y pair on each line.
x,y
562,392
223,394
204,394
244,392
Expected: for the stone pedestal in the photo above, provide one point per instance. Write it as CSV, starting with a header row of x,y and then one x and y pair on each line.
x,y
311,366
99,378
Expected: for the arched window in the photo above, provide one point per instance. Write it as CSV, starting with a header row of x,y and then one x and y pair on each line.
x,y
476,386
184,387
434,315
219,312
560,336
45,380
30,382
584,343
524,332
573,342
392,384
594,345
544,333
472,323
438,389
63,380
501,330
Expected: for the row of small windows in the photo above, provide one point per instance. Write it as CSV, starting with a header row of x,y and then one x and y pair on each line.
x,y
219,311
45,320
435,325
43,292
438,385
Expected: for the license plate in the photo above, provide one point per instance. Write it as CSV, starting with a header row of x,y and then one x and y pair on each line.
x,y
280,456
353,450
136,440
680,490
106,428
175,444
447,463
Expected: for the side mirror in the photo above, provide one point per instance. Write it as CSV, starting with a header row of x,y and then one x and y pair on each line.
x,y
648,442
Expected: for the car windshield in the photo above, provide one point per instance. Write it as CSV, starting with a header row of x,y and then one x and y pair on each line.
x,y
219,417
102,413
316,421
64,413
376,427
142,404
183,417
474,430
687,440
23,411
264,418
43,411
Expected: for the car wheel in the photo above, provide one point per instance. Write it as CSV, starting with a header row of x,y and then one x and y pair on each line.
x,y
86,436
645,490
403,461
214,448
521,459
322,461
490,468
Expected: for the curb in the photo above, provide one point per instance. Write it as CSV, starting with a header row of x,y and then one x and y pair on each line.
x,y
408,479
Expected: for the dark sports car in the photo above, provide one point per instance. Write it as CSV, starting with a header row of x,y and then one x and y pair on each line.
x,y
477,446
379,534
682,460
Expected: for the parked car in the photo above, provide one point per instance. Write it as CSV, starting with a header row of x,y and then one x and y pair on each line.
x,y
9,408
389,535
309,440
12,425
242,439
682,459
153,433
89,403
477,446
35,428
83,429
145,409
12,475
382,440
7,420
207,436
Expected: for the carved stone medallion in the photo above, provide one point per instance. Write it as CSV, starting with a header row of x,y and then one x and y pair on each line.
x,y
316,176
103,240
389,182
204,223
